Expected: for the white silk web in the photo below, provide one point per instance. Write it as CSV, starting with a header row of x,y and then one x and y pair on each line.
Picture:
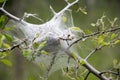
x,y
54,34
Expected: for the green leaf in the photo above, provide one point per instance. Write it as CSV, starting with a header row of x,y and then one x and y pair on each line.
x,y
112,36
64,19
31,78
88,31
42,44
7,62
105,43
93,24
26,53
117,41
2,38
8,37
77,29
6,45
82,62
35,45
2,19
100,39
115,63
44,52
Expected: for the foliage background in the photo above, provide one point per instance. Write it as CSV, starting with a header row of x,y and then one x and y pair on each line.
x,y
22,69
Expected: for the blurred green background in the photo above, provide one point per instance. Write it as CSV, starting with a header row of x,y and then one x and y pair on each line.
x,y
102,60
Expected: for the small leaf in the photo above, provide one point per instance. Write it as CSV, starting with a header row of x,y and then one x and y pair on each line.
x,y
93,24
2,38
7,62
35,45
100,39
8,37
76,29
115,63
26,53
82,62
117,41
6,45
44,52
42,44
88,31
64,19
115,19
37,35
112,36
31,78
41,64
2,19
105,43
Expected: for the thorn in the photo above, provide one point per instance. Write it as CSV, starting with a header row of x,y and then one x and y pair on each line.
x,y
53,11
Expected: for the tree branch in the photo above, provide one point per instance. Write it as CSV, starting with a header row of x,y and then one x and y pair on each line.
x,y
94,71
100,47
110,72
86,65
94,34
13,47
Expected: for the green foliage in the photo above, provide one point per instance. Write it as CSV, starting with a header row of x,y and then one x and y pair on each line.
x,y
113,36
64,19
2,20
88,31
82,62
42,44
8,37
35,45
116,64
44,52
77,29
26,53
2,38
7,62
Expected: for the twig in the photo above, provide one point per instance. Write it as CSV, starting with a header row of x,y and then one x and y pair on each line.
x,y
94,34
87,75
53,11
93,51
4,4
13,47
66,8
94,71
87,65
100,47
110,72
10,15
